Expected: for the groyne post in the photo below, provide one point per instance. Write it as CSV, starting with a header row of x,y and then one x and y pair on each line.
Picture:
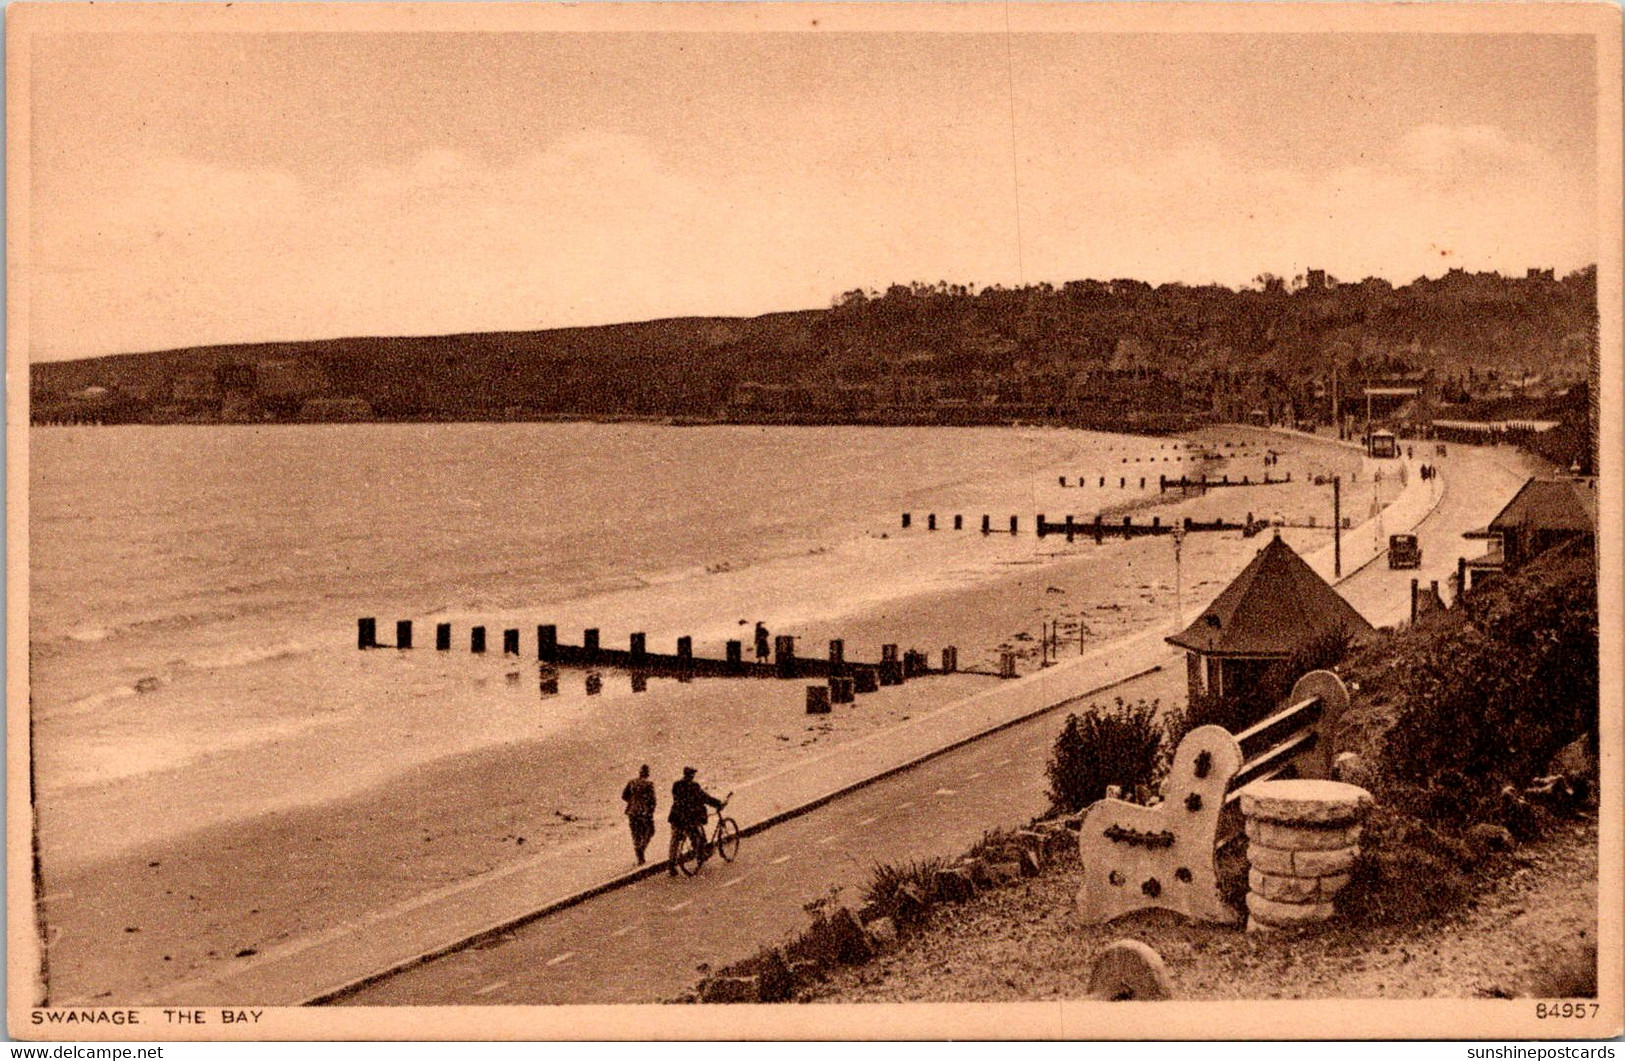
x,y
906,520
837,656
959,523
1038,526
987,525
442,637
476,639
639,645
366,633
1070,530
1014,527
547,643
931,521
403,633
784,655
950,659
685,650
736,653
510,642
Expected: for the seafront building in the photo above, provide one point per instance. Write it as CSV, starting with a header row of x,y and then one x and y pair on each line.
x,y
1274,608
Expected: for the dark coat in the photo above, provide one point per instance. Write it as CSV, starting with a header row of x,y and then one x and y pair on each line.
x,y
639,795
688,802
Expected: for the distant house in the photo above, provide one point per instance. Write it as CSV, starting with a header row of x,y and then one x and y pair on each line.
x,y
1274,608
1544,513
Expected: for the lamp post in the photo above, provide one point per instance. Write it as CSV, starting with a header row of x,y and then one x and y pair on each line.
x,y
1179,599
1337,526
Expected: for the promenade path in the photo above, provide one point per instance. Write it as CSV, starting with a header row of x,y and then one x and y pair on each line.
x,y
640,936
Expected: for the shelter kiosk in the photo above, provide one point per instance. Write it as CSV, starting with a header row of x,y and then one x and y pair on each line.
x,y
1274,608
1543,514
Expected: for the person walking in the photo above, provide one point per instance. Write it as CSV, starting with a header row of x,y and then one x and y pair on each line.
x,y
688,814
639,795
761,643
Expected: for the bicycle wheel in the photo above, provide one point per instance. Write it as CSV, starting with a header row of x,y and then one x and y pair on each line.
x,y
688,855
727,839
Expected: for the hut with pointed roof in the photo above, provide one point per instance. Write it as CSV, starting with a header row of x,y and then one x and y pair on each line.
x,y
1274,608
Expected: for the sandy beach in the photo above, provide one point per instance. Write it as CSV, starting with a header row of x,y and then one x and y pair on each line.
x,y
126,917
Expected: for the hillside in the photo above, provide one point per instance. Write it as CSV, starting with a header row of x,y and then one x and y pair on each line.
x,y
1096,353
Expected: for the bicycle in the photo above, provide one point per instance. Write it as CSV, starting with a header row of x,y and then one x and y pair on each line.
x,y
724,840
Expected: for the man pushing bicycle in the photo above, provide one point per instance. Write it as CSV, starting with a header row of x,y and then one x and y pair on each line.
x,y
687,816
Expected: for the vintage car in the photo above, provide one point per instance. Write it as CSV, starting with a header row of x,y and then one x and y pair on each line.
x,y
1404,551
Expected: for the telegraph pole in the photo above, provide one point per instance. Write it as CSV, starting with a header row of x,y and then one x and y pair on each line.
x,y
1337,526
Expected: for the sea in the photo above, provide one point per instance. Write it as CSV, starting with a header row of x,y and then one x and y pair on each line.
x,y
190,586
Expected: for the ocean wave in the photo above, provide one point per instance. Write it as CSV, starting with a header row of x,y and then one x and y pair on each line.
x,y
246,656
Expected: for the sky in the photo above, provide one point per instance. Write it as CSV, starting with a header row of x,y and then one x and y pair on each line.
x,y
239,187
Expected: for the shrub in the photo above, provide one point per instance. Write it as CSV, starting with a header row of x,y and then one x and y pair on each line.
x,y
1126,745
1489,699
886,881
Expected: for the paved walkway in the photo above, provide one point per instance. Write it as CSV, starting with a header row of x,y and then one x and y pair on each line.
x,y
496,903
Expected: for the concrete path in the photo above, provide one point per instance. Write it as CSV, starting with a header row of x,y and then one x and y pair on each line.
x,y
644,942
497,902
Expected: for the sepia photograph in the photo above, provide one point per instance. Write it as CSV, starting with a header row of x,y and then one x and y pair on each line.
x,y
802,520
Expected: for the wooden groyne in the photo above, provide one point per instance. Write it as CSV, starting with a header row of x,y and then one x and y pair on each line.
x,y
1099,530
1164,484
892,668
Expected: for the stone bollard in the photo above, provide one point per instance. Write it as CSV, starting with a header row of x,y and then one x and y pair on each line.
x,y
1302,839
